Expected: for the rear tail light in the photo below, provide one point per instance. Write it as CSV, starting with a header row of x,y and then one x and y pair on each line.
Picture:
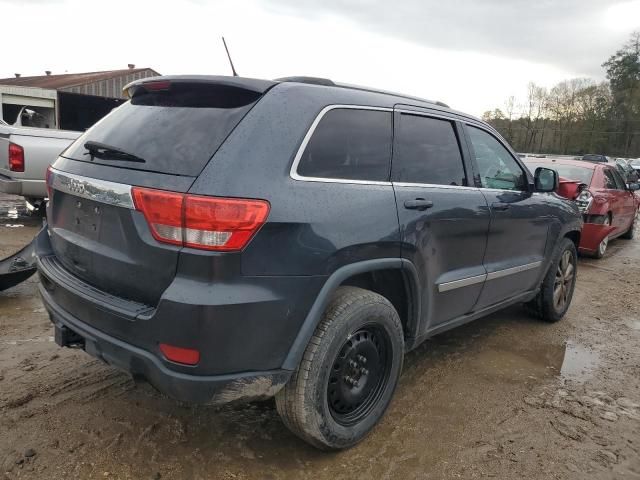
x,y
48,182
16,158
207,223
584,201
157,85
163,211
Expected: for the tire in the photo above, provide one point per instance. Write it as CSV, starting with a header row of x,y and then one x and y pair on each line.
x,y
629,234
602,246
546,305
332,401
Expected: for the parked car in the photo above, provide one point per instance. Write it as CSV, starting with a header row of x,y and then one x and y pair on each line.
x,y
608,204
591,157
25,154
287,255
625,169
635,164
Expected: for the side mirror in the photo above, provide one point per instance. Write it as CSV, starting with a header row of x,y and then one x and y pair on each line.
x,y
546,180
632,187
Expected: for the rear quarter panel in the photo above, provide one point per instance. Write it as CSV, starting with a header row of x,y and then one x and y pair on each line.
x,y
313,227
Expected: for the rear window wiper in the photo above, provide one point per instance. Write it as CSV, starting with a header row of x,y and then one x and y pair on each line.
x,y
107,152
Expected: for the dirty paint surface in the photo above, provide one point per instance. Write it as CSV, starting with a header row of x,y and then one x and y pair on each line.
x,y
504,397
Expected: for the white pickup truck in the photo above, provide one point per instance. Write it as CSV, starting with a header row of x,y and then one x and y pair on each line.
x,y
25,154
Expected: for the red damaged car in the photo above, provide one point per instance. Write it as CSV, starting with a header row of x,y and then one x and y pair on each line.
x,y
609,205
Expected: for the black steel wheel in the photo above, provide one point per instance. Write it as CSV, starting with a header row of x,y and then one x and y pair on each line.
x,y
359,374
348,373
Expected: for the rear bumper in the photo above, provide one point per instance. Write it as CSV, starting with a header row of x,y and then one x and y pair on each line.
x,y
8,185
26,188
592,235
213,389
243,329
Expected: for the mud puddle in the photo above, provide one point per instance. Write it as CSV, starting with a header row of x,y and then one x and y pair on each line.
x,y
579,362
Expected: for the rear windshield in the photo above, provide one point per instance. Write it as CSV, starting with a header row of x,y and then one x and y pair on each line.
x,y
175,131
568,172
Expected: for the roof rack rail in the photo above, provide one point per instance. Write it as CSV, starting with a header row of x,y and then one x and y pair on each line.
x,y
311,80
330,83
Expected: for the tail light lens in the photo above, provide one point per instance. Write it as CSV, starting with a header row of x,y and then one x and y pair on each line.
x,y
163,211
16,158
48,182
206,223
584,201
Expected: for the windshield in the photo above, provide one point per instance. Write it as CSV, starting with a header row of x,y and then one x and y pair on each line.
x,y
569,172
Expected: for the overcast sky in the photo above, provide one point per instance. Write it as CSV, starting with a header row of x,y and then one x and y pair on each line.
x,y
471,54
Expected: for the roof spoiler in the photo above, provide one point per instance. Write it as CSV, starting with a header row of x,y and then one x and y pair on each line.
x,y
250,84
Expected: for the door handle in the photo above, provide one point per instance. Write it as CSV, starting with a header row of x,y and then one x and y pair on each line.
x,y
499,206
418,204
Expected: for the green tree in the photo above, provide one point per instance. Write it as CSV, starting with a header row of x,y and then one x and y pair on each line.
x,y
623,73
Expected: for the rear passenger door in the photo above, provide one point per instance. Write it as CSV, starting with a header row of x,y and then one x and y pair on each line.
x,y
614,199
520,220
625,204
443,220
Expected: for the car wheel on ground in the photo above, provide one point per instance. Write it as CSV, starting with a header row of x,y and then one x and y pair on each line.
x,y
556,291
602,246
349,371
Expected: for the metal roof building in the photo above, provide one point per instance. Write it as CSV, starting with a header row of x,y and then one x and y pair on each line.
x,y
72,101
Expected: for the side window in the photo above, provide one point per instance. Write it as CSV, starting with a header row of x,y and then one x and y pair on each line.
x,y
619,179
427,152
497,168
609,179
349,144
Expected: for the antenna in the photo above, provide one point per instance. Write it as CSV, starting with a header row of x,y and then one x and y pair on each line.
x,y
235,74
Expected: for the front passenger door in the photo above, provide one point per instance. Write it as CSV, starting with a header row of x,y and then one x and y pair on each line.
x,y
519,222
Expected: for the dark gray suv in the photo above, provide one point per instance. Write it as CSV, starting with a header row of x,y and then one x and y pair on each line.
x,y
228,239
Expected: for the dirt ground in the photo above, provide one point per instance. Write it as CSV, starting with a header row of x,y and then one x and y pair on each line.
x,y
505,397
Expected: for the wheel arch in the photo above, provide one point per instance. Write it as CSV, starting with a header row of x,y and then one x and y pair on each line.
x,y
574,236
371,273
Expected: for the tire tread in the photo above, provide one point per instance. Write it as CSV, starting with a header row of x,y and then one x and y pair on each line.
x,y
290,401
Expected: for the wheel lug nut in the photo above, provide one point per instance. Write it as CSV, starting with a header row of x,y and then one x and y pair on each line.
x,y
361,359
353,364
364,371
356,384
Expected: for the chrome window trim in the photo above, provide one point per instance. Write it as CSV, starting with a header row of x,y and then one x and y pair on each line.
x,y
468,281
103,191
293,172
502,190
433,185
512,270
422,113
464,282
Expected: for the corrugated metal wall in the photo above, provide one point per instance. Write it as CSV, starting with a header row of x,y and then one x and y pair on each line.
x,y
112,87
